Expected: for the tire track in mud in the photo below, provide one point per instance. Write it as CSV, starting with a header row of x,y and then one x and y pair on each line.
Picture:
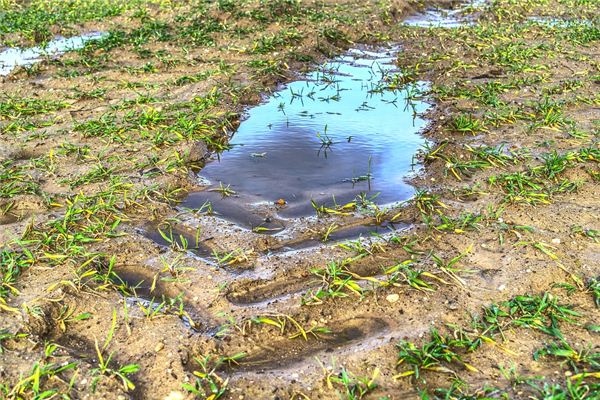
x,y
275,283
282,353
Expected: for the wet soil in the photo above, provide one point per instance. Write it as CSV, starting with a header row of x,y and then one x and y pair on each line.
x,y
216,275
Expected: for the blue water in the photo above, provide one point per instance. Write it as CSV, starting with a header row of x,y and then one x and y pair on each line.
x,y
368,139
13,57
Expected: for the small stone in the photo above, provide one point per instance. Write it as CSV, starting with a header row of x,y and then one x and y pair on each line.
x,y
568,373
556,241
502,287
121,397
392,298
159,347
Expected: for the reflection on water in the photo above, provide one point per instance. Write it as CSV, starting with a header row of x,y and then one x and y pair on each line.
x,y
444,18
338,132
13,57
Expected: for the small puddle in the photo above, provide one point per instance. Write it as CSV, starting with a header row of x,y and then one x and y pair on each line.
x,y
444,18
338,132
10,58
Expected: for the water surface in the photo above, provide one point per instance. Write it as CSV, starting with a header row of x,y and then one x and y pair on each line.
x,y
444,18
12,57
336,133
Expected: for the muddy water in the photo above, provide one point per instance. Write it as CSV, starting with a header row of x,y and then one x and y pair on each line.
x,y
335,133
12,57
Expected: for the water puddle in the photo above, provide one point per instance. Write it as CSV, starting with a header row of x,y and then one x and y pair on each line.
x,y
444,18
349,128
10,58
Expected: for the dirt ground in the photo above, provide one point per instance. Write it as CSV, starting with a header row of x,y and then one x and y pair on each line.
x,y
491,289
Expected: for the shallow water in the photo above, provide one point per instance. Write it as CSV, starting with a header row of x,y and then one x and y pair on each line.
x,y
444,18
368,137
10,58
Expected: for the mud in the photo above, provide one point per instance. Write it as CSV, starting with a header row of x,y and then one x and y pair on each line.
x,y
274,300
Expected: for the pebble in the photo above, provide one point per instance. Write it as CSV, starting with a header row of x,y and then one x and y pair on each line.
x,y
159,347
392,298
502,287
556,241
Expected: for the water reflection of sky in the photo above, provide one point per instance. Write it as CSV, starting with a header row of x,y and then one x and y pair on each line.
x,y
13,57
276,152
444,18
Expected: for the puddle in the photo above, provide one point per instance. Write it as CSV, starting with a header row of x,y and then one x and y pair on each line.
x,y
335,133
444,18
10,58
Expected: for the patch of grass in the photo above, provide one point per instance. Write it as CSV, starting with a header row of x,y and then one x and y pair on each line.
x,y
541,312
337,281
34,20
577,359
14,107
15,179
351,386
466,123
46,378
12,264
438,354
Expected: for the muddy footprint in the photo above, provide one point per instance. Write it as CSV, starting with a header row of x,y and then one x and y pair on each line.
x,y
280,353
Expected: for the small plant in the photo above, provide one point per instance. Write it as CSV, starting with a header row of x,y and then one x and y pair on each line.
x,y
104,367
433,355
44,377
353,387
328,232
338,281
286,322
450,267
226,191
466,123
208,384
576,359
405,272
335,209
594,288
